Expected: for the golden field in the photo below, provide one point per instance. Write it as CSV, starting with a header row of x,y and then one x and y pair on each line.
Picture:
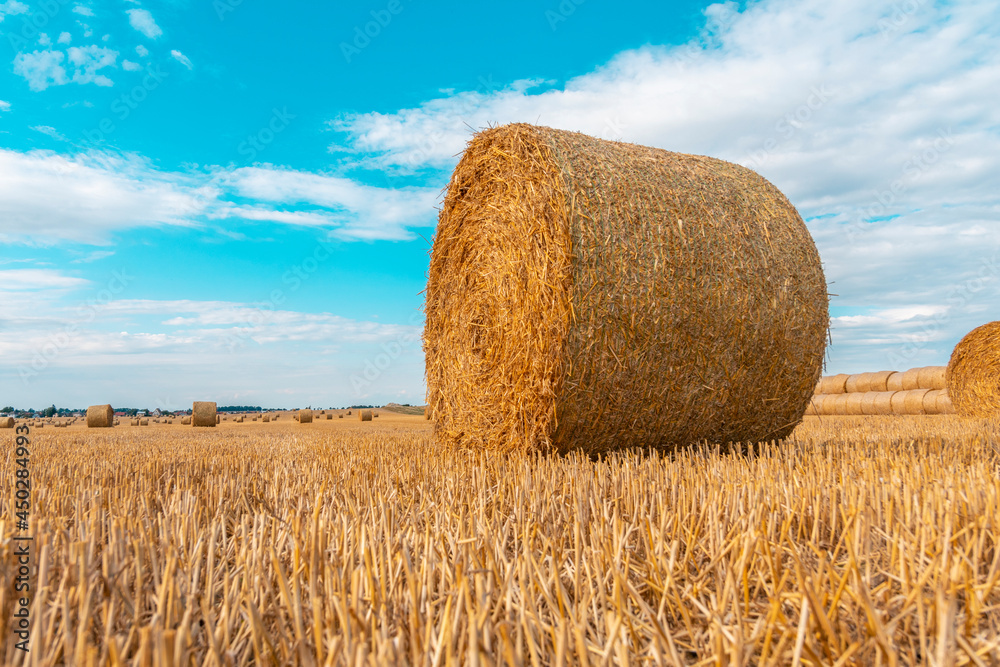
x,y
859,541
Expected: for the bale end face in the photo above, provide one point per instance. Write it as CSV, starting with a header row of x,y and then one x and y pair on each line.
x,y
973,373
203,414
100,416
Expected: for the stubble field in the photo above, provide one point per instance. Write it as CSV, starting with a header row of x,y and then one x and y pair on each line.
x,y
859,541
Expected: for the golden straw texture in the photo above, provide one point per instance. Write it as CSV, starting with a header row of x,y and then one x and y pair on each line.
x,y
203,414
592,295
100,416
973,375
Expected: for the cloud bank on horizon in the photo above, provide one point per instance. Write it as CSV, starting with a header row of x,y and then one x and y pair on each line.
x,y
878,120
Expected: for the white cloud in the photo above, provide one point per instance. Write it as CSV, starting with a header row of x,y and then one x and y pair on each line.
x,y
142,51
12,7
130,66
41,69
37,279
143,21
83,11
49,131
181,58
65,38
44,39
4,106
840,105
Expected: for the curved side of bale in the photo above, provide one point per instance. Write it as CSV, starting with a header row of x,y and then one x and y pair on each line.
x,y
898,402
880,381
594,295
973,375
305,416
914,401
364,415
868,401
858,383
100,416
852,404
894,382
933,377
203,413
834,384
911,379
883,403
944,405
7,422
186,421
930,404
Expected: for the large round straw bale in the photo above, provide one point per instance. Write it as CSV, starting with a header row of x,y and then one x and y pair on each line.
x,y
594,295
911,379
868,400
853,403
365,415
305,416
973,375
933,377
144,422
7,422
329,415
930,403
880,381
898,402
894,382
100,416
883,402
203,414
914,401
858,383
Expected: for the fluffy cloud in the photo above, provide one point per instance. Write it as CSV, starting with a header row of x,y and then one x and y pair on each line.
x,y
12,7
4,106
181,58
143,21
41,69
82,65
83,11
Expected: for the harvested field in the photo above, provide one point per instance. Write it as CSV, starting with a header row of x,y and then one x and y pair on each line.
x,y
873,540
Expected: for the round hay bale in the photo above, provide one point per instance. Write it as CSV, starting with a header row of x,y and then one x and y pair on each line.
x,y
880,381
868,400
883,402
340,416
305,416
203,414
348,413
895,382
185,421
914,401
858,383
973,375
944,405
838,406
898,403
329,415
365,415
100,416
933,377
853,403
930,403
595,295
911,379
7,422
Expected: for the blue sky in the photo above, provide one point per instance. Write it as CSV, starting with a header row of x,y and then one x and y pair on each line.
x,y
233,201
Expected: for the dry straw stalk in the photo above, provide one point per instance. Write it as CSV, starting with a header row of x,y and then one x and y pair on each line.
x,y
100,416
203,414
585,294
973,375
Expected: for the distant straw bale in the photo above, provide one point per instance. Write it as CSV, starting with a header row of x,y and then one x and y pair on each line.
x,y
858,383
365,415
594,295
305,416
913,401
973,375
895,382
100,416
880,381
911,379
883,402
7,422
203,413
868,400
